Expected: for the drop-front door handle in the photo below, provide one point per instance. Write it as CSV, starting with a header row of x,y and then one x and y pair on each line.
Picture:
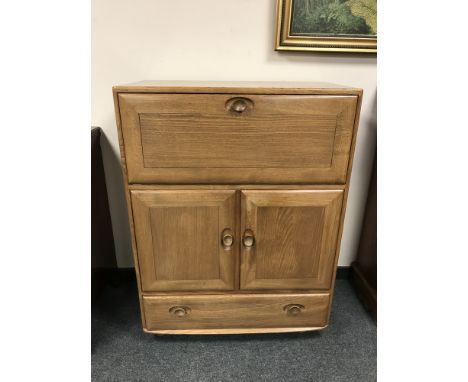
x,y
239,105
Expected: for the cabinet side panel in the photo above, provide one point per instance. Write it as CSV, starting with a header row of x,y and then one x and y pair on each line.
x,y
128,200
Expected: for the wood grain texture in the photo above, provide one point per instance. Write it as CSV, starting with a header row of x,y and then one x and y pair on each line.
x,y
235,311
236,87
171,140
289,241
185,242
178,235
193,138
236,187
295,238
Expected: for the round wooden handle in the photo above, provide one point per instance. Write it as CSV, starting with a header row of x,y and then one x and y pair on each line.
x,y
179,311
249,239
293,309
227,238
239,106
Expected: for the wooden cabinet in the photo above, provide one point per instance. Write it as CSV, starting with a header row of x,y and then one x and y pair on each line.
x,y
236,195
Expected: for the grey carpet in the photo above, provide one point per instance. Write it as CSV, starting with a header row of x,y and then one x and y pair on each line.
x,y
345,351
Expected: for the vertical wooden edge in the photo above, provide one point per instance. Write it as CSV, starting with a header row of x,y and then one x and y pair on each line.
x,y
231,204
129,202
243,282
238,242
334,211
345,198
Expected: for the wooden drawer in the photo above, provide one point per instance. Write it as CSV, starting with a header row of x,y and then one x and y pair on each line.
x,y
235,313
245,138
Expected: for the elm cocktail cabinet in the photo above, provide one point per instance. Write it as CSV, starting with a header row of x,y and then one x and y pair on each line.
x,y
236,195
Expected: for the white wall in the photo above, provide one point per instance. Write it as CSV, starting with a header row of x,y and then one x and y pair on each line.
x,y
134,40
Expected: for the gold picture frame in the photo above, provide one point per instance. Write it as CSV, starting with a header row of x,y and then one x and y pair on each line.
x,y
286,40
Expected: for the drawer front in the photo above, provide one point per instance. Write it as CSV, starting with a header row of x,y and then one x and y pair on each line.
x,y
236,311
225,138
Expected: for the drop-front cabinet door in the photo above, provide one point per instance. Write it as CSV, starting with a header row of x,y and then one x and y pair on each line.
x,y
185,239
289,238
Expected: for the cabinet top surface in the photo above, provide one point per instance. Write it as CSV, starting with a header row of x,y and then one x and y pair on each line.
x,y
273,87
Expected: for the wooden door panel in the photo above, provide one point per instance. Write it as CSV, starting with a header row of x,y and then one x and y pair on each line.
x,y
178,234
197,138
277,228
192,259
295,238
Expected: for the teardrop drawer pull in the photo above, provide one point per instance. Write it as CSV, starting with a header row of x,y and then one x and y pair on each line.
x,y
179,311
239,105
293,309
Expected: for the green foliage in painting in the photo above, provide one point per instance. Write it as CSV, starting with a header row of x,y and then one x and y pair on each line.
x,y
367,9
334,17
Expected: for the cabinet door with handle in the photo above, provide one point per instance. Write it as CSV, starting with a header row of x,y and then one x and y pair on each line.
x,y
289,238
186,239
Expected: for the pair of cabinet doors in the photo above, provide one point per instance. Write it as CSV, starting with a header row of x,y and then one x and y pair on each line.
x,y
229,239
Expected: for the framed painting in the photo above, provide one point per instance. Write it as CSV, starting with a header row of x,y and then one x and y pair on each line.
x,y
327,25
